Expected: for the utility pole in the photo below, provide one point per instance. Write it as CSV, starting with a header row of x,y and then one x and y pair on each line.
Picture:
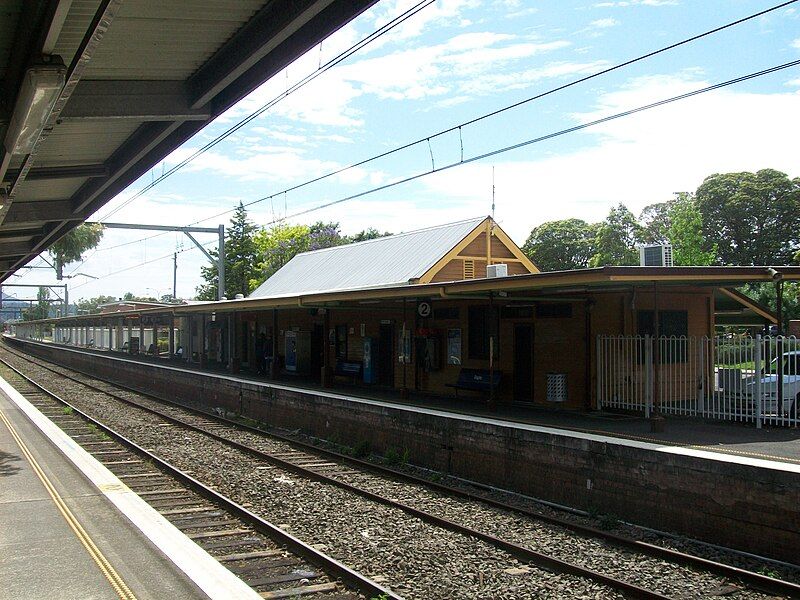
x,y
174,277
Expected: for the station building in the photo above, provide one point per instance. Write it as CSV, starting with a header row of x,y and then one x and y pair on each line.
x,y
451,311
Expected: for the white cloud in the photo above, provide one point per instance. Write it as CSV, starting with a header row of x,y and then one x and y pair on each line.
x,y
636,160
796,43
625,4
604,23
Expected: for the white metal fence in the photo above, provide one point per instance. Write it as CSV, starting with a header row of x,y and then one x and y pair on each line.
x,y
754,379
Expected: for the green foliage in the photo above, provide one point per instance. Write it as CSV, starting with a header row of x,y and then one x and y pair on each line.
x,y
40,310
362,449
366,234
752,218
91,304
655,222
561,245
241,257
280,243
67,410
765,294
685,233
71,247
393,457
616,239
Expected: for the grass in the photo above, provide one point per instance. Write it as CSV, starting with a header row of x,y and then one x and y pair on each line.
x,y
362,449
394,457
67,410
767,572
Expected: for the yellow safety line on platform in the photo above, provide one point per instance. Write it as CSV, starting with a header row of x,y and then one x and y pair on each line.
x,y
116,581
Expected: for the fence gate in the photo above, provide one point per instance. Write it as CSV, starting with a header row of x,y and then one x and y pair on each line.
x,y
754,379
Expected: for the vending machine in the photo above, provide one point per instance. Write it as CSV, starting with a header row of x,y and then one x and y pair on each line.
x,y
370,360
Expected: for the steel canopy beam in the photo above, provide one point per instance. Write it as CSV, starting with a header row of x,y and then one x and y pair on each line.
x,y
270,27
36,212
131,100
60,172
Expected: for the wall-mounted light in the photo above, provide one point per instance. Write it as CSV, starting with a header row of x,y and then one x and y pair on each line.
x,y
37,96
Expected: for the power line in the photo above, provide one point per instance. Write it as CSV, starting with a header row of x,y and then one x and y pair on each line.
x,y
473,120
300,84
496,112
516,146
539,139
427,138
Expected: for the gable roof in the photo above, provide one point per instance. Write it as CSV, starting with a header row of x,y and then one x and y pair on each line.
x,y
392,260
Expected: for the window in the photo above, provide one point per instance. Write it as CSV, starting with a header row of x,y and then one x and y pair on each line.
x,y
479,327
445,314
341,342
671,323
516,312
553,310
469,269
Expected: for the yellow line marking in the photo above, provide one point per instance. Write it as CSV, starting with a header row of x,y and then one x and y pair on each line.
x,y
102,562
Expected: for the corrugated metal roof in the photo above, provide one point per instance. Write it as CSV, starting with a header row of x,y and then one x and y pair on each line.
x,y
392,260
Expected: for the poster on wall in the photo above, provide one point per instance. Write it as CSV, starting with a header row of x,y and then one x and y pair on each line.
x,y
453,346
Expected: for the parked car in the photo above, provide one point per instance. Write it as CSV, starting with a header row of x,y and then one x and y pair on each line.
x,y
790,373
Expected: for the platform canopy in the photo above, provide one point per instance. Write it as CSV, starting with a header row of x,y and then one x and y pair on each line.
x,y
94,93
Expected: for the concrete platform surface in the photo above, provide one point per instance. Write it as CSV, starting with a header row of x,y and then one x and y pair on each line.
x,y
91,552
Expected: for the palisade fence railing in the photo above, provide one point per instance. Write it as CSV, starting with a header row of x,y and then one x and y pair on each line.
x,y
737,378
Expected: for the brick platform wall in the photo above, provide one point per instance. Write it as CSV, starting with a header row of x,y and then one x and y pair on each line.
x,y
744,507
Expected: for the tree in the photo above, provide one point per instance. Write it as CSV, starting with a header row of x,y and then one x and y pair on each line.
x,y
616,239
241,257
92,304
366,234
655,222
753,218
40,310
685,233
561,245
281,242
277,246
70,247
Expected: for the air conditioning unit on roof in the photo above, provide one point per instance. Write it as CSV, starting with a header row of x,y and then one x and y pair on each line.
x,y
655,255
500,270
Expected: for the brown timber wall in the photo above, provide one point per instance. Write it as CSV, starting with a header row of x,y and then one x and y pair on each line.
x,y
731,504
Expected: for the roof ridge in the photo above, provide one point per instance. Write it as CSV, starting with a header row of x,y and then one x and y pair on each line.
x,y
394,235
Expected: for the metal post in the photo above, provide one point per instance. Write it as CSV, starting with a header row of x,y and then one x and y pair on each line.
x,y
174,276
648,375
491,352
598,367
221,263
757,386
272,369
656,418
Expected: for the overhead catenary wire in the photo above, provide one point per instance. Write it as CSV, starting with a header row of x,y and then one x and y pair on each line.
x,y
474,120
459,127
381,31
532,141
509,148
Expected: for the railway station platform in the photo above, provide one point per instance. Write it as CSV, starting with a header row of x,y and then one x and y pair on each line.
x,y
61,535
723,483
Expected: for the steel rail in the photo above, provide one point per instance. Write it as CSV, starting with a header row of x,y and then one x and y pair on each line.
x,y
520,552
751,578
331,566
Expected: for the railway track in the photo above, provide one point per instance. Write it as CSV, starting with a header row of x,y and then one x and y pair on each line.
x,y
272,562
353,476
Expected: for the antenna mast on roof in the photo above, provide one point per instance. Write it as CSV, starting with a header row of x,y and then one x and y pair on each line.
x,y
492,192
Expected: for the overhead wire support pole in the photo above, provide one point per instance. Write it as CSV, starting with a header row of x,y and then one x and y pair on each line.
x,y
220,231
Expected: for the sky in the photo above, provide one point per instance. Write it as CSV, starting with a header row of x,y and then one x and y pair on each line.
x,y
452,62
